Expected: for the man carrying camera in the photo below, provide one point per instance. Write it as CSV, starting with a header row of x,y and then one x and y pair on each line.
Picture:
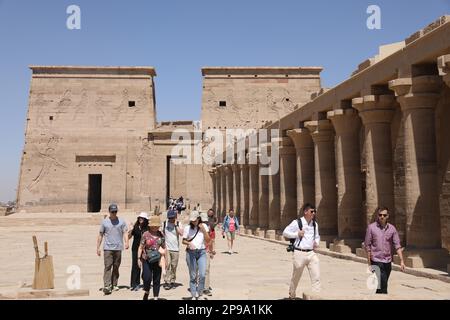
x,y
304,236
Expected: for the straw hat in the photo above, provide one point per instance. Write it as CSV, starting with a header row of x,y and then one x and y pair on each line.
x,y
154,221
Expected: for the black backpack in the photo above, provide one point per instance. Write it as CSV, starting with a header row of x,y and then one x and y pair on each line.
x,y
300,226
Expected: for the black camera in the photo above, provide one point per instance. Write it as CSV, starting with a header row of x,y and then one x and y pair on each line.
x,y
290,247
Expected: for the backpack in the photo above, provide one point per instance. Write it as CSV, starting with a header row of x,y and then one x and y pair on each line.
x,y
300,226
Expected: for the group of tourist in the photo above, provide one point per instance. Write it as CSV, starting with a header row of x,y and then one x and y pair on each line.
x,y
156,248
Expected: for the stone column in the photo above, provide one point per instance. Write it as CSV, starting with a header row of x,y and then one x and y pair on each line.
x,y
212,173
418,98
273,182
244,186
288,184
229,174
444,71
376,112
304,148
224,191
325,177
444,68
351,220
263,205
218,190
236,190
253,195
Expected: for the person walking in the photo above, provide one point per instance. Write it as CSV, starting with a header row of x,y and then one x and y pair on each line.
x,y
196,238
381,237
114,230
230,227
151,251
136,231
305,233
172,231
209,255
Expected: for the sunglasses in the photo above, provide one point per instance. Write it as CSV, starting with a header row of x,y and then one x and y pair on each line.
x,y
382,215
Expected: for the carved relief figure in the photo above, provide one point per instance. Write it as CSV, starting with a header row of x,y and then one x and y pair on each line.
x,y
143,159
81,106
122,107
41,115
288,104
102,118
48,159
64,102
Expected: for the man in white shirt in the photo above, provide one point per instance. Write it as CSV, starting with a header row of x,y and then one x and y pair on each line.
x,y
172,231
305,231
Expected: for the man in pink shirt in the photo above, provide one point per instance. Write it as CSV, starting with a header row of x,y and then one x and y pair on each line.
x,y
381,237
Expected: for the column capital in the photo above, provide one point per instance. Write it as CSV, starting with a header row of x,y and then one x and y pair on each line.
x,y
444,68
344,120
321,130
420,92
301,137
375,108
286,146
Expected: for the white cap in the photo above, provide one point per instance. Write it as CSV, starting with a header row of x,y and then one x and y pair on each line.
x,y
194,215
204,216
143,215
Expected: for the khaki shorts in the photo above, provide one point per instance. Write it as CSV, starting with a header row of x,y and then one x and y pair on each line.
x,y
231,235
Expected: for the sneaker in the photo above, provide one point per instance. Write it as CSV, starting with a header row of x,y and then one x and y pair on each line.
x,y
145,296
172,285
207,292
107,290
230,252
115,288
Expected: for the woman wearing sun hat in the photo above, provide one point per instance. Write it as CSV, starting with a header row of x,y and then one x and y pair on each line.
x,y
151,250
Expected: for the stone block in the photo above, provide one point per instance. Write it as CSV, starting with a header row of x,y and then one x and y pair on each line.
x,y
426,258
323,244
341,248
260,233
249,232
361,252
270,234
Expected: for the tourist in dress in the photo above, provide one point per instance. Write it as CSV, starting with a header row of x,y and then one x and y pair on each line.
x,y
136,231
230,228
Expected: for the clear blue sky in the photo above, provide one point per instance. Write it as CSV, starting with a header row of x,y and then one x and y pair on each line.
x,y
178,38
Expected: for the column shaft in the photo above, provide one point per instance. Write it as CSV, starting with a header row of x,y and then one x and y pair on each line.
x,y
351,221
325,176
288,184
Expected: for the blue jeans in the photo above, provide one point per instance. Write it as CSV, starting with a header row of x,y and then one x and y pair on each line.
x,y
196,261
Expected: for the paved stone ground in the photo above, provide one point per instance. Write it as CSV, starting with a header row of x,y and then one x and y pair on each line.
x,y
259,269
